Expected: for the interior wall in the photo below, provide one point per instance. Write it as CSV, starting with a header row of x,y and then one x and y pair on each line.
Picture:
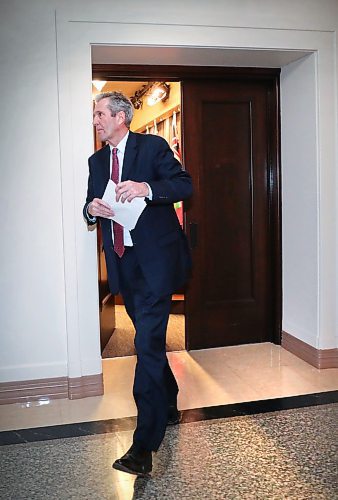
x,y
32,300
300,198
49,303
147,114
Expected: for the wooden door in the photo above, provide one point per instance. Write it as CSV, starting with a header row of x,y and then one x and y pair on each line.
x,y
230,149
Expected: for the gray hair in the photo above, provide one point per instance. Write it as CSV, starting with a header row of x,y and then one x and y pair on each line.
x,y
118,102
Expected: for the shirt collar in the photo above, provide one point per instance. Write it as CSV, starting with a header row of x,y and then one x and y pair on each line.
x,y
121,145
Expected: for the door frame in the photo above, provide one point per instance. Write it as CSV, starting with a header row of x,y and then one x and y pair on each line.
x,y
110,72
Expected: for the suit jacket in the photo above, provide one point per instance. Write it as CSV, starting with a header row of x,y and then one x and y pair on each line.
x,y
160,244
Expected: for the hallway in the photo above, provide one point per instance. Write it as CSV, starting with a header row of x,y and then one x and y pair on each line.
x,y
257,422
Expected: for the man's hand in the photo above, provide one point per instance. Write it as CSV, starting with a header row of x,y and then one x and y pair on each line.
x,y
99,208
128,190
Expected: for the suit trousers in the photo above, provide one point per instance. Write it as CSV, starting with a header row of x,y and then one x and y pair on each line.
x,y
155,387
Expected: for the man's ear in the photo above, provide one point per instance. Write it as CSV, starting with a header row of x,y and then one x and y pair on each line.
x,y
121,117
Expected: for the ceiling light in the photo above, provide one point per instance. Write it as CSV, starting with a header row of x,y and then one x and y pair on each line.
x,y
158,93
154,91
99,84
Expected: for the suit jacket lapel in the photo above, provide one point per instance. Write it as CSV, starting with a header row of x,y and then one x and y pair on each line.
x,y
103,170
129,158
106,164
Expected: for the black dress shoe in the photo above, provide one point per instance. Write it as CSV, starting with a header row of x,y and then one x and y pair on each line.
x,y
136,461
173,416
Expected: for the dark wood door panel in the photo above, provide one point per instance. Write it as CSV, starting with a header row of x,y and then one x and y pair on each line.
x,y
226,179
227,148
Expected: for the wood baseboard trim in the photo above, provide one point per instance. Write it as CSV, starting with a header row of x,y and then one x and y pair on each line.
x,y
26,391
86,386
319,358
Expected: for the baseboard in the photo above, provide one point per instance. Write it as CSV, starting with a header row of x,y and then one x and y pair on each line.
x,y
86,386
26,391
320,358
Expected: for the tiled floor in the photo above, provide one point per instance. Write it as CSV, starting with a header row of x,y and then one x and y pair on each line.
x,y
206,378
227,448
289,454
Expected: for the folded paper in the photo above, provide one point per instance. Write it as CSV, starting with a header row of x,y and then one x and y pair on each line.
x,y
127,213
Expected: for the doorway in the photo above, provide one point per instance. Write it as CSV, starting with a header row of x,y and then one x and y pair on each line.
x,y
157,110
230,137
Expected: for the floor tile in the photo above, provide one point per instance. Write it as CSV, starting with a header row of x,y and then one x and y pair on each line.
x,y
288,454
206,377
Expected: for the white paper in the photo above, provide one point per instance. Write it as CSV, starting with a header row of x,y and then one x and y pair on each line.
x,y
127,213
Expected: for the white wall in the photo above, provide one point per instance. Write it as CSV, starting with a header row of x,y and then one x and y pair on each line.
x,y
300,198
32,319
49,314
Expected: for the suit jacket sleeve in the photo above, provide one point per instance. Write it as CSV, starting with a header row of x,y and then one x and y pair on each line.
x,y
89,198
171,183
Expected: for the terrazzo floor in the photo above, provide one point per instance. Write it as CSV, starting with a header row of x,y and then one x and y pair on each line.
x,y
257,423
289,454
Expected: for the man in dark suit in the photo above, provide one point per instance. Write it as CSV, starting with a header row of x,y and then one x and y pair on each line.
x,y
146,264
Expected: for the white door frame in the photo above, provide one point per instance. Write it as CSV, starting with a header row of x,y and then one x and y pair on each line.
x,y
74,42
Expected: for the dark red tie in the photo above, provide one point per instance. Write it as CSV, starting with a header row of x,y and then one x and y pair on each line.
x,y
117,228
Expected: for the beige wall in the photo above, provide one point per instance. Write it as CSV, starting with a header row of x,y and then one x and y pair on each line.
x,y
147,114
159,111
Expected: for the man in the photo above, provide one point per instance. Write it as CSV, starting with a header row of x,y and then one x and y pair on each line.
x,y
146,264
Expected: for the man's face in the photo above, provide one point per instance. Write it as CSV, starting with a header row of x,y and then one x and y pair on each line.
x,y
108,127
